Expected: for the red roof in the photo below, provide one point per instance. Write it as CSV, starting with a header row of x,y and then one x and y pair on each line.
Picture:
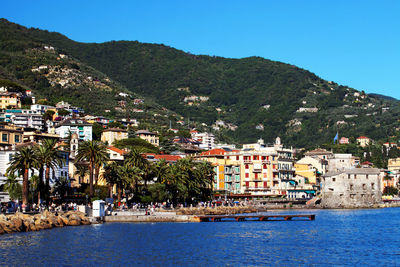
x,y
119,151
367,163
362,137
216,151
165,157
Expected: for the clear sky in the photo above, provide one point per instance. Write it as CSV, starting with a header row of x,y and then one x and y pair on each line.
x,y
351,42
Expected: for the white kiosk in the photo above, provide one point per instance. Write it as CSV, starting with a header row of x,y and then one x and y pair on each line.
x,y
98,208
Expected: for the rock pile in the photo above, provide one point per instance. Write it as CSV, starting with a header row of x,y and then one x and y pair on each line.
x,y
20,222
216,211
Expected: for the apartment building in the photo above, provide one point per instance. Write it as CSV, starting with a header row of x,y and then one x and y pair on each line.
x,y
150,137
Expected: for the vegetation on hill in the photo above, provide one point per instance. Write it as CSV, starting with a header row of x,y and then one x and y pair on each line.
x,y
244,99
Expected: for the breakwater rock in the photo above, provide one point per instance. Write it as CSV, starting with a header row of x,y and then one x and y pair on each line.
x,y
20,222
216,210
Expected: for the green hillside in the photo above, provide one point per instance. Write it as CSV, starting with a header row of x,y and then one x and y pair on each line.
x,y
250,97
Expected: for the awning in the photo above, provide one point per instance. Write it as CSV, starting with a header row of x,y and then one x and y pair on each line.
x,y
292,182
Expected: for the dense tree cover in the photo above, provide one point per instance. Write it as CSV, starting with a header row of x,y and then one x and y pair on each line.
x,y
244,92
186,181
136,143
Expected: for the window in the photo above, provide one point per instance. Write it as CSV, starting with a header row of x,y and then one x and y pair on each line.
x,y
348,176
17,138
246,166
264,166
372,186
4,137
256,176
247,184
366,176
351,187
333,179
265,185
237,157
355,176
255,185
255,157
246,175
364,187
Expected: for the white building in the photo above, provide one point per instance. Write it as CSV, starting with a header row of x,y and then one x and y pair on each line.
x,y
81,127
26,120
206,140
41,108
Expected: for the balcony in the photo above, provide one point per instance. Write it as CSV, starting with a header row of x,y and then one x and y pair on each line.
x,y
265,161
228,170
247,161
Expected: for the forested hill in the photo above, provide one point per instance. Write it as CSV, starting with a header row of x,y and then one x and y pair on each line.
x,y
245,98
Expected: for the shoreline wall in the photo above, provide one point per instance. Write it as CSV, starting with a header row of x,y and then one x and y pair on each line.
x,y
20,222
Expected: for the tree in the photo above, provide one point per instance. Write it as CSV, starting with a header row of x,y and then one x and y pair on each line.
x,y
91,151
81,170
63,112
61,187
112,177
131,177
52,161
48,115
41,156
115,124
97,131
13,187
22,162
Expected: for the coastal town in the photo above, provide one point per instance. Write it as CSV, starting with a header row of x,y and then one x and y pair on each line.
x,y
257,172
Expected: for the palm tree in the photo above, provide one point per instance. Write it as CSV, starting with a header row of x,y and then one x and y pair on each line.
x,y
81,170
112,177
161,170
131,176
52,161
91,151
41,155
61,186
136,161
22,161
101,159
13,187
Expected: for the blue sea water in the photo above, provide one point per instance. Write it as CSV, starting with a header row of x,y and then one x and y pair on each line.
x,y
336,237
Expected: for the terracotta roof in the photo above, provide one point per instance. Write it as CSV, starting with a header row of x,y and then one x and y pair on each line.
x,y
167,157
362,137
216,151
119,151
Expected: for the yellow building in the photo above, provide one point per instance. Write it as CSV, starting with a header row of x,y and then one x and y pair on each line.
x,y
227,179
306,170
255,171
394,164
150,137
10,135
111,135
9,99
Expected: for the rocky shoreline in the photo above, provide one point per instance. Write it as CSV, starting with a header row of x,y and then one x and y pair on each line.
x,y
20,222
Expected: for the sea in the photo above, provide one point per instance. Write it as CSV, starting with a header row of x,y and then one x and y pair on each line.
x,y
335,238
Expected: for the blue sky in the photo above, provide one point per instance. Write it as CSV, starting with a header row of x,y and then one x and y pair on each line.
x,y
354,43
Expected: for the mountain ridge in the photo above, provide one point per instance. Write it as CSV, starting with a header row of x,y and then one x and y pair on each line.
x,y
245,98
